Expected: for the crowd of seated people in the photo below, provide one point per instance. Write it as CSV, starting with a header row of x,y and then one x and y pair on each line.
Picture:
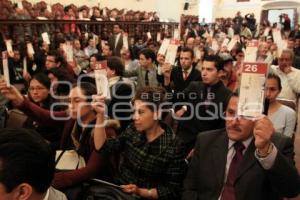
x,y
147,127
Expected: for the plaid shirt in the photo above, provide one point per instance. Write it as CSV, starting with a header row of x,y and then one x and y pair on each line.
x,y
159,164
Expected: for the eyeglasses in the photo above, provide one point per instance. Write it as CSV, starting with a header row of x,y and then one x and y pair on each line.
x,y
30,89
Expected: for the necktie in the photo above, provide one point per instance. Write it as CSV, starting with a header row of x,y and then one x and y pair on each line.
x,y
147,77
185,75
228,190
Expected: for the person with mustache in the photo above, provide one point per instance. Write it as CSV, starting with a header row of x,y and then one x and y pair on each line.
x,y
245,161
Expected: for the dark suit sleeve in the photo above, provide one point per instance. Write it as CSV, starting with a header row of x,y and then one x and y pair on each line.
x,y
283,175
190,182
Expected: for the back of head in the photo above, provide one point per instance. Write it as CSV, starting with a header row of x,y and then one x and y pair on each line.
x,y
25,157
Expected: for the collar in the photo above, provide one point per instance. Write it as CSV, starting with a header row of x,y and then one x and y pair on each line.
x,y
47,195
189,70
246,143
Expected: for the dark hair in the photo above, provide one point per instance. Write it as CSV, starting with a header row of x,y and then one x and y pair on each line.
x,y
115,63
152,95
58,57
216,59
148,53
25,157
42,79
62,75
187,49
88,89
277,78
67,8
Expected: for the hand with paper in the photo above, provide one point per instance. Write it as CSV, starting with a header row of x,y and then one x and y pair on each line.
x,y
263,131
11,93
98,104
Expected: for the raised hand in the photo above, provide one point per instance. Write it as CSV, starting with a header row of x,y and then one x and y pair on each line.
x,y
11,93
263,131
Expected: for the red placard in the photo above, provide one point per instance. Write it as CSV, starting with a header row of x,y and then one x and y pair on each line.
x,y
101,64
256,68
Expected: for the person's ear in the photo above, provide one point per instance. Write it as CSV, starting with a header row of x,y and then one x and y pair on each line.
x,y
22,192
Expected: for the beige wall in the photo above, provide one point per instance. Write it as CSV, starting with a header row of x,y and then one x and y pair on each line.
x,y
228,8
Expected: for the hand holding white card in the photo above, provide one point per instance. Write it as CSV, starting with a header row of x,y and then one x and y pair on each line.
x,y
176,34
125,41
149,35
225,42
5,68
25,65
69,52
102,84
252,91
164,46
30,50
172,52
158,37
9,48
45,37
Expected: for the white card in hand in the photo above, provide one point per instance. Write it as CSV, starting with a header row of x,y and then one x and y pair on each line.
x,y
125,42
30,49
45,37
49,8
251,51
5,67
215,45
102,84
172,52
25,65
69,52
20,5
225,42
8,44
252,89
91,12
231,44
164,46
176,34
149,35
266,32
158,37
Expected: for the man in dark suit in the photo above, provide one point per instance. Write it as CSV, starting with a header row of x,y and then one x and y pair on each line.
x,y
202,103
116,40
179,77
245,161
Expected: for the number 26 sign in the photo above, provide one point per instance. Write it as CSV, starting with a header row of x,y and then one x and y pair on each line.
x,y
257,68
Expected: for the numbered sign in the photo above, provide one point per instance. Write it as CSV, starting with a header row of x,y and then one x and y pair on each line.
x,y
252,89
172,51
251,51
5,67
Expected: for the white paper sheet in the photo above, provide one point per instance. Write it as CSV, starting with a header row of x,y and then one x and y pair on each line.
x,y
164,46
5,67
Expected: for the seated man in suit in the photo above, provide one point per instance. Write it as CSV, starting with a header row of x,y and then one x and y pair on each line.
x,y
202,103
26,166
179,77
245,161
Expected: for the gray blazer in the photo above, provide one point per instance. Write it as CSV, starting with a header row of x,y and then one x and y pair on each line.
x,y
140,73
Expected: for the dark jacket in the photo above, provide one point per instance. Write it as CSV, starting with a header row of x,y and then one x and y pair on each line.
x,y
204,117
206,172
